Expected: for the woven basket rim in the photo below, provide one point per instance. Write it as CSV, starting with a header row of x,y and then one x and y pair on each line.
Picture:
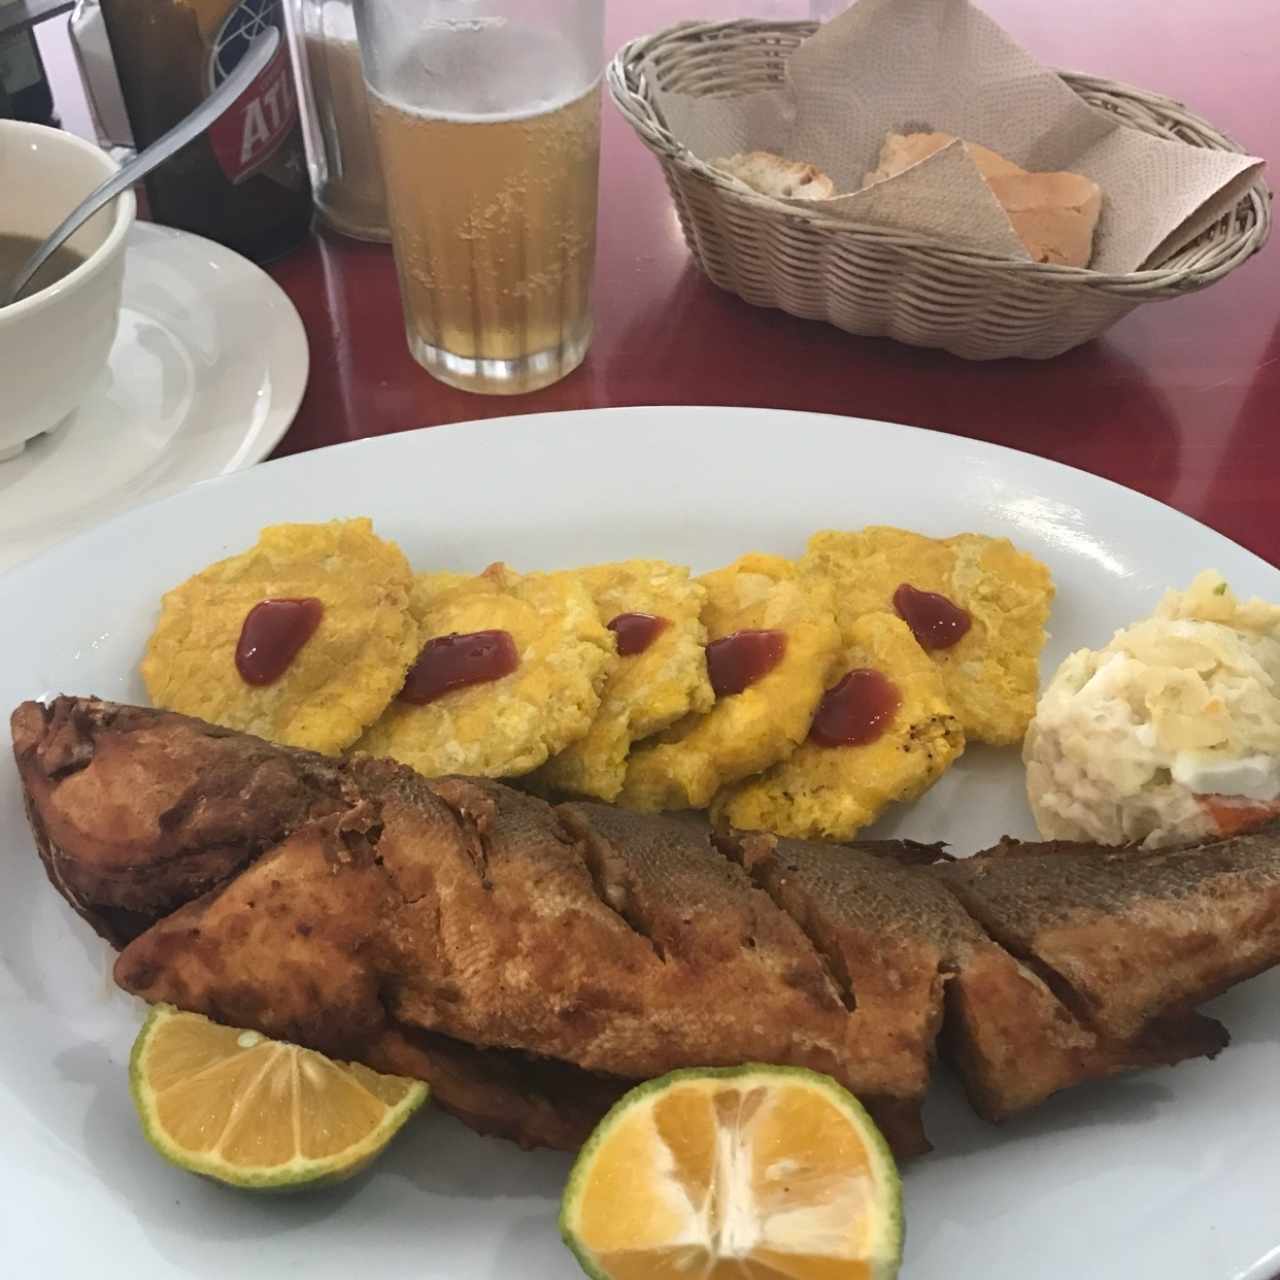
x,y
1248,231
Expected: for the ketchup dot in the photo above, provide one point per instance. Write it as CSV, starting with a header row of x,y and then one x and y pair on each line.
x,y
637,631
855,711
457,661
737,661
271,636
936,622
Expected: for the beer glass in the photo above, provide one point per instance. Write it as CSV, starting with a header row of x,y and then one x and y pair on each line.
x,y
345,173
487,117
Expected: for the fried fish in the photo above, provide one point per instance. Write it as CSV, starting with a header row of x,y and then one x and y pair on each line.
x,y
530,961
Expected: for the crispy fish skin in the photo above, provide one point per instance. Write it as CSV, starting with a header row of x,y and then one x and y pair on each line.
x,y
1015,1044
744,732
1019,1031
552,941
647,691
889,936
560,953
343,676
287,944
918,968
137,813
509,726
322,940
992,674
1124,936
831,793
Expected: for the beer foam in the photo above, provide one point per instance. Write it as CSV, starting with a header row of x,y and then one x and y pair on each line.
x,y
492,72
337,22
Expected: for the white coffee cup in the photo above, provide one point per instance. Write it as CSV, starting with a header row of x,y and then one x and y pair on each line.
x,y
55,342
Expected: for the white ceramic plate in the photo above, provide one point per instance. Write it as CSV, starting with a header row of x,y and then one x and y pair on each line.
x,y
1170,1174
205,376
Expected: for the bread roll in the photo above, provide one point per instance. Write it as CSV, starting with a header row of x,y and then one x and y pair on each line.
x,y
1054,214
774,175
900,151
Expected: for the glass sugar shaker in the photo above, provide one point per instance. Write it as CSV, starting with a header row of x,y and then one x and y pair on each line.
x,y
342,153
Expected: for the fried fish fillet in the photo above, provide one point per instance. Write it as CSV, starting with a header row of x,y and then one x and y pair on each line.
x,y
509,726
825,792
646,691
748,731
992,673
343,676
531,960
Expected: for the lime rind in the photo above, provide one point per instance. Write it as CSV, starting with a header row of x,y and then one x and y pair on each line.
x,y
298,1174
886,1256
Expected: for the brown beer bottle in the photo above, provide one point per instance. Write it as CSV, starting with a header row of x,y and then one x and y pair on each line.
x,y
244,182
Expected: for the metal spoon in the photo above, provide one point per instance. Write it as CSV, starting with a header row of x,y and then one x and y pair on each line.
x,y
247,69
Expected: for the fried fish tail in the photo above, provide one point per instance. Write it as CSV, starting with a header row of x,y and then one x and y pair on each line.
x,y
1014,1043
1099,959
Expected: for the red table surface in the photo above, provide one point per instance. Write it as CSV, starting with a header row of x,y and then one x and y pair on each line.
x,y
1179,400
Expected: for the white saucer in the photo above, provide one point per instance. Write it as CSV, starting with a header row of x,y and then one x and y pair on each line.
x,y
205,376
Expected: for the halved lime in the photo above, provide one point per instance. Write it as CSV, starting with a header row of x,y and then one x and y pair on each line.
x,y
745,1173
253,1112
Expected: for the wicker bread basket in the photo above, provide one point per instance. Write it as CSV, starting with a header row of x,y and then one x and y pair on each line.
x,y
880,282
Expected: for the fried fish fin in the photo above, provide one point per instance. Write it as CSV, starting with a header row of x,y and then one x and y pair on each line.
x,y
532,1102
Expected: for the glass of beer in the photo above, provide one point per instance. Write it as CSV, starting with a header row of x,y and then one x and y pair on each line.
x,y
487,118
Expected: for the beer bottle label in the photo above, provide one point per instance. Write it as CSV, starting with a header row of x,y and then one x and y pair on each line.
x,y
251,132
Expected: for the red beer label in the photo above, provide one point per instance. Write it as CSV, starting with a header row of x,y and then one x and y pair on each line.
x,y
252,130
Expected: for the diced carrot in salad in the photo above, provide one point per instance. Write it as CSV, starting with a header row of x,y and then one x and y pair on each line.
x,y
1232,815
